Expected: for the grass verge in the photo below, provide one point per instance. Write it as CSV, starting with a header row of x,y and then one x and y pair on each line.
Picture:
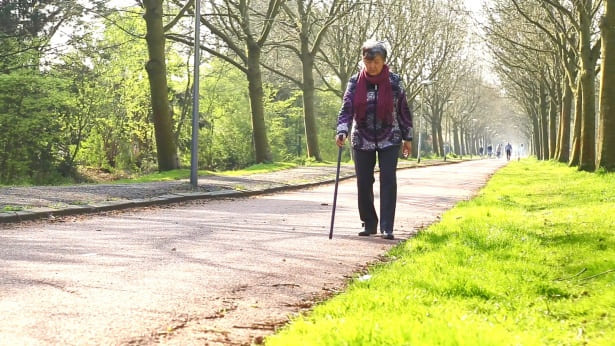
x,y
178,174
529,261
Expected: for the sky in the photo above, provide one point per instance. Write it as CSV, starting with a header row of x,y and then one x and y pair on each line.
x,y
481,50
474,5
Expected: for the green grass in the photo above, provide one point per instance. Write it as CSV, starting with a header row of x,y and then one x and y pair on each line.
x,y
259,168
527,262
178,174
10,208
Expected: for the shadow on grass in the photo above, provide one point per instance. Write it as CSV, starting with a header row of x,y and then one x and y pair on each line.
x,y
597,240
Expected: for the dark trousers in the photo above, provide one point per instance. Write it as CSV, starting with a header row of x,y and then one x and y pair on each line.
x,y
364,163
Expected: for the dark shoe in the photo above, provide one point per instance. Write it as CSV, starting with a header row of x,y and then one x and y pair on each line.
x,y
366,233
388,236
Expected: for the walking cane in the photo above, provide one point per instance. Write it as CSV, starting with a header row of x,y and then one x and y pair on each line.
x,y
337,180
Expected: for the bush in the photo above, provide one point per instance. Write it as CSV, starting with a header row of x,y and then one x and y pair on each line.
x,y
32,111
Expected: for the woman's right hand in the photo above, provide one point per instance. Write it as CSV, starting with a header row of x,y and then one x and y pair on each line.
x,y
340,140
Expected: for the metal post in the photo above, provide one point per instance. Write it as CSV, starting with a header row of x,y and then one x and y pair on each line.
x,y
194,160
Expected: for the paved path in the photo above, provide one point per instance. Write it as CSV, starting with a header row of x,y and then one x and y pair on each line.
x,y
37,202
224,271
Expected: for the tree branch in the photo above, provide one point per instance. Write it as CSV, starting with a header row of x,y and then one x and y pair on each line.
x,y
565,12
272,12
535,23
231,44
282,74
179,15
189,42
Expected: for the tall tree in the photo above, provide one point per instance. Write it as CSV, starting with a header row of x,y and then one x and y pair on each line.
x,y
240,31
420,49
581,16
340,53
517,50
562,152
553,78
549,34
589,53
606,134
123,136
308,22
428,47
156,69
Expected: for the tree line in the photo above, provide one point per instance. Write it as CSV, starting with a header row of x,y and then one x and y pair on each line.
x,y
556,59
95,86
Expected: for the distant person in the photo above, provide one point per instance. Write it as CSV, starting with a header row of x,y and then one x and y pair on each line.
x,y
498,151
375,107
489,150
520,152
508,149
480,151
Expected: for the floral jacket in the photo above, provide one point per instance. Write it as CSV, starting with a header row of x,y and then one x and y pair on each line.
x,y
371,133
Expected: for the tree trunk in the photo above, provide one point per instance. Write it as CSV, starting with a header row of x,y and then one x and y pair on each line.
x,y
157,72
542,152
536,138
552,127
440,138
435,124
563,140
544,123
311,130
435,142
587,158
606,140
415,135
463,140
456,142
576,133
262,152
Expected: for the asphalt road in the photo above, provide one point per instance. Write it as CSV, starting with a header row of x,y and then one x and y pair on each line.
x,y
197,273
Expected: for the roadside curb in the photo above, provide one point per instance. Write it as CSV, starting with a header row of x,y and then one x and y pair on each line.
x,y
71,210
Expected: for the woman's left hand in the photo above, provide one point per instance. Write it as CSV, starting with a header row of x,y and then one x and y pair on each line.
x,y
407,149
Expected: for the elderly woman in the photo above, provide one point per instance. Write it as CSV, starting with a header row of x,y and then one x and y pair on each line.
x,y
375,107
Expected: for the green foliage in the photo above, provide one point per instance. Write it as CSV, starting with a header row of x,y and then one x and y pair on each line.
x,y
530,261
103,120
9,208
327,110
285,124
114,96
32,110
225,138
21,34
18,54
24,18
